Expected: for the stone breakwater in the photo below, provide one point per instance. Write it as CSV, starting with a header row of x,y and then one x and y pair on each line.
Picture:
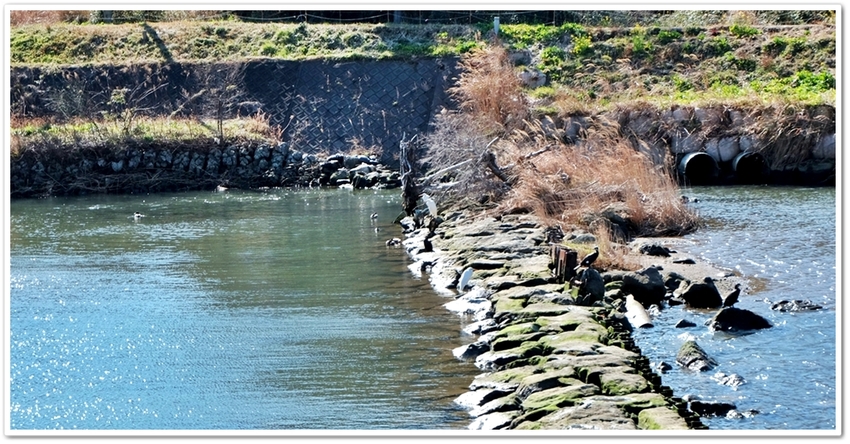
x,y
547,362
147,169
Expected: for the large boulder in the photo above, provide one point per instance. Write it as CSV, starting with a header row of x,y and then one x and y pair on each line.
x,y
733,319
647,286
693,357
700,294
592,288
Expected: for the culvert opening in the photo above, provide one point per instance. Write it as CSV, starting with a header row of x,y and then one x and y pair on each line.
x,y
699,168
750,168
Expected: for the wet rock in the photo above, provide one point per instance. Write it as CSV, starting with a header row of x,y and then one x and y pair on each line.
x,y
672,280
647,286
710,408
735,414
502,404
493,421
701,294
475,398
491,361
795,305
733,380
684,323
663,367
481,327
471,351
693,357
731,319
506,380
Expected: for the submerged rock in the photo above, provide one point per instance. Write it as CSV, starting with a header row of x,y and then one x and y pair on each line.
x,y
795,305
733,380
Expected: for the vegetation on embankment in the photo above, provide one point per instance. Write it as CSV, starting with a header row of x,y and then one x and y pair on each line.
x,y
664,57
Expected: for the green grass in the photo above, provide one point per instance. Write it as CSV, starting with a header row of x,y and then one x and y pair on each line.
x,y
66,44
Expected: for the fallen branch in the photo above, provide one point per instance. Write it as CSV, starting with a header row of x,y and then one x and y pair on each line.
x,y
489,159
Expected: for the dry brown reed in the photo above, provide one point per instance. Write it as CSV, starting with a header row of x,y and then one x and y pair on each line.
x,y
45,17
600,180
490,91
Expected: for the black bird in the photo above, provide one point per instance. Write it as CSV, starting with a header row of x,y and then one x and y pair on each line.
x,y
732,297
590,258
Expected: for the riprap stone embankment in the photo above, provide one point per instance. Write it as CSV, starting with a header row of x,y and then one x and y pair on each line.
x,y
546,361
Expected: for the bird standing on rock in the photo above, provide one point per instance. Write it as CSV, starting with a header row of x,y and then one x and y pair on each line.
x,y
590,258
732,297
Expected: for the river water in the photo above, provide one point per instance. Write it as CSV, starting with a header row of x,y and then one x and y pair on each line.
x,y
239,310
782,241
285,310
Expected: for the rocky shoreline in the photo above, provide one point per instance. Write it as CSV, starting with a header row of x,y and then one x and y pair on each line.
x,y
551,356
160,167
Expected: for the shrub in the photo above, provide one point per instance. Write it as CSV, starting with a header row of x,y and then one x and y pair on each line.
x,y
268,49
582,45
739,30
666,36
717,46
819,82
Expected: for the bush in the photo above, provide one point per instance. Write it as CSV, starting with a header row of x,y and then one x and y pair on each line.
x,y
582,45
743,30
666,36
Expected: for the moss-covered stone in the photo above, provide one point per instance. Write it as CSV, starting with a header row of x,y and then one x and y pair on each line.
x,y
512,341
586,415
546,380
496,360
661,418
502,404
506,306
613,285
567,321
503,379
534,311
517,329
622,383
565,395
564,342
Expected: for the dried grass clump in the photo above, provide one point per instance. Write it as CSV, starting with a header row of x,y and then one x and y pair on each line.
x,y
43,17
602,183
789,132
490,91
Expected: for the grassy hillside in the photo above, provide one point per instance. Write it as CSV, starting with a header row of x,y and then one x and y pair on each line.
x,y
598,65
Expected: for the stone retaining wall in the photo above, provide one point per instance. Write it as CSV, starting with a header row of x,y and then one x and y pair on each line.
x,y
155,168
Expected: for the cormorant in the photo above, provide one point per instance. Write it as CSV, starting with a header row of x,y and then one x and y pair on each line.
x,y
732,297
590,258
